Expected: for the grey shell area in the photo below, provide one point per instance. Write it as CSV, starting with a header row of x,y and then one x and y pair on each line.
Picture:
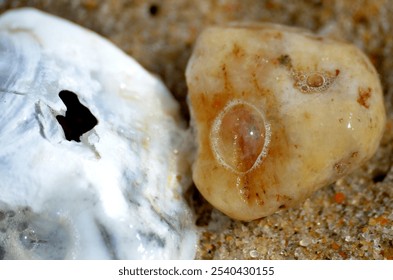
x,y
14,64
54,198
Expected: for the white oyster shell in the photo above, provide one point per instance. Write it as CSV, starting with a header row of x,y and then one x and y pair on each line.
x,y
116,194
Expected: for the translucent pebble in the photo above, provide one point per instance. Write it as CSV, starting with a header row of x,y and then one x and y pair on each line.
x,y
278,113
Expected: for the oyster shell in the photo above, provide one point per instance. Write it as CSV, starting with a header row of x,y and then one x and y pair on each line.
x,y
92,152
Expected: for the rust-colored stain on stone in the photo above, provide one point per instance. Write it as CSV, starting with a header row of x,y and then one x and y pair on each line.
x,y
364,96
237,51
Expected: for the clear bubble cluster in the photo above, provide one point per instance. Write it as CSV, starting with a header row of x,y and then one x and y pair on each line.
x,y
314,81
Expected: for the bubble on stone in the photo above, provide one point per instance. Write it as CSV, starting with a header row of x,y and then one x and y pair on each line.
x,y
311,82
240,136
315,80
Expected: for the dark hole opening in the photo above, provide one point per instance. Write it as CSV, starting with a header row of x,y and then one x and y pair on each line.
x,y
154,9
78,119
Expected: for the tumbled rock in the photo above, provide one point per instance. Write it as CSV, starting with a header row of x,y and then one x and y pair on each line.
x,y
278,113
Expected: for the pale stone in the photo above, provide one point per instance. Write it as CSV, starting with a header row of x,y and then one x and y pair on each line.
x,y
278,113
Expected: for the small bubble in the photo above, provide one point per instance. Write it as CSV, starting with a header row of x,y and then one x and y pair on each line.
x,y
305,88
315,80
28,239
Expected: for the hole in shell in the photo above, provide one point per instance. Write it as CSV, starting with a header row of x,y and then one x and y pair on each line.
x,y
78,118
240,136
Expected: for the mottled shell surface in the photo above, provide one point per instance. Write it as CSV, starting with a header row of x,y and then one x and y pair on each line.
x,y
111,191
278,113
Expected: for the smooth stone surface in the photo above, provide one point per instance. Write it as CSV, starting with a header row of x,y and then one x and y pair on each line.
x,y
314,113
115,194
